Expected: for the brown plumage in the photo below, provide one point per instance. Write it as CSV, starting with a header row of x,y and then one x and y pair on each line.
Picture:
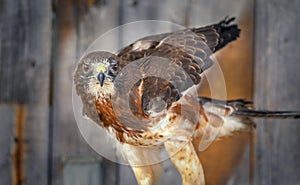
x,y
139,96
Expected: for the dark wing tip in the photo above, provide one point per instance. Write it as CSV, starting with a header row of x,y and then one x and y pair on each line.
x,y
227,32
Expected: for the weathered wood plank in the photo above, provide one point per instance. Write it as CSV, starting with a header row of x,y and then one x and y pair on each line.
x,y
25,51
277,87
36,140
82,171
8,119
77,25
24,80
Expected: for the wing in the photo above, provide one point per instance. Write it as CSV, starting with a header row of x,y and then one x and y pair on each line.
x,y
189,49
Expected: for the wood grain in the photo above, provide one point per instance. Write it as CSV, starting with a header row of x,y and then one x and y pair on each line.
x,y
24,81
25,51
277,87
7,116
87,171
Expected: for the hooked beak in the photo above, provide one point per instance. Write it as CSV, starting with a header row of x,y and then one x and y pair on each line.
x,y
101,78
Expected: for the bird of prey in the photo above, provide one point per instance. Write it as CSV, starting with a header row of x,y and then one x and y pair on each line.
x,y
148,106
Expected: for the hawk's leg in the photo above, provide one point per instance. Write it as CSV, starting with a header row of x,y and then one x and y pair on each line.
x,y
142,162
185,159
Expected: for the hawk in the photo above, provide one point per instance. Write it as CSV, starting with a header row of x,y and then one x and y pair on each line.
x,y
150,105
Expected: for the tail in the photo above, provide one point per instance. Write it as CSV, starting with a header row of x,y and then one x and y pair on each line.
x,y
240,107
267,114
219,35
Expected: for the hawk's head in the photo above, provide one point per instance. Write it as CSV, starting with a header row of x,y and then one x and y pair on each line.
x,y
95,74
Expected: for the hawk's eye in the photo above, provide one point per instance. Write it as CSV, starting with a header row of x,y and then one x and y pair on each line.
x,y
114,66
86,67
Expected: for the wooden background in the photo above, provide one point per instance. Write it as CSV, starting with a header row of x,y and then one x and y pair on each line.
x,y
40,40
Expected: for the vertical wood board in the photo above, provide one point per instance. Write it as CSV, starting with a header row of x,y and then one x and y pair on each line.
x,y
277,87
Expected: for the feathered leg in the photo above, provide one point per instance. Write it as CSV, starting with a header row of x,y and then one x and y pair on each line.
x,y
141,161
185,159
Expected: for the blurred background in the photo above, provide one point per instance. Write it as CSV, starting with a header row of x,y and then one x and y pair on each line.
x,y
41,40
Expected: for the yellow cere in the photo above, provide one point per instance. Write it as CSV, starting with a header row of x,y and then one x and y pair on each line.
x,y
101,68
